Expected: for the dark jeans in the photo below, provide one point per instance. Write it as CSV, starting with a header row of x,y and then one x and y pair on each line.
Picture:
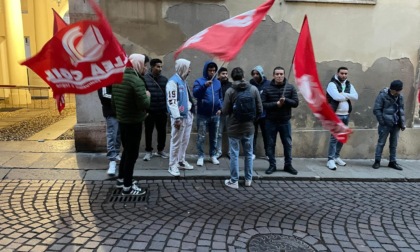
x,y
335,146
130,139
158,120
285,131
260,122
393,133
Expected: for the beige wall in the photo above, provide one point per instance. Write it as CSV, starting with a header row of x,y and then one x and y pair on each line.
x,y
376,42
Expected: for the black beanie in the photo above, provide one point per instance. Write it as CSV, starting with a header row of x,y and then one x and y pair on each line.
x,y
396,85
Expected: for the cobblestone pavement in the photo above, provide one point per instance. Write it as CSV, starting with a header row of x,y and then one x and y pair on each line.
x,y
203,215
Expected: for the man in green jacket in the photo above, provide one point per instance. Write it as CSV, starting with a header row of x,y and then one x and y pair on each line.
x,y
131,100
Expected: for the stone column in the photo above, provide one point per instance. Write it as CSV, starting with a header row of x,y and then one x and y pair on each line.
x,y
16,52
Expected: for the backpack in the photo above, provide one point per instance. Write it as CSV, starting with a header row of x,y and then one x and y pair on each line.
x,y
244,109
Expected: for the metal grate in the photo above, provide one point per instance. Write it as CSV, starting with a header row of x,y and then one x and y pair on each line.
x,y
115,196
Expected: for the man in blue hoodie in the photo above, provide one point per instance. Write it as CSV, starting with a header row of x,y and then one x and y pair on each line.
x,y
208,92
259,81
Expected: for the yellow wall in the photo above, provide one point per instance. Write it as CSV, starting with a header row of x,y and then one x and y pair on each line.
x,y
38,23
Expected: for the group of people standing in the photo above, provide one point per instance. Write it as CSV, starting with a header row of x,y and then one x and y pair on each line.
x,y
238,108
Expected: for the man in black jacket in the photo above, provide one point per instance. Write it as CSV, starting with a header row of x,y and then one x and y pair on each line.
x,y
157,113
278,99
389,111
113,138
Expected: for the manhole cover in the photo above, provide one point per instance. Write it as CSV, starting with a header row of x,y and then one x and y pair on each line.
x,y
277,243
115,196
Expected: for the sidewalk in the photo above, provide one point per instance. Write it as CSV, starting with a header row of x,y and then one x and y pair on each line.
x,y
32,160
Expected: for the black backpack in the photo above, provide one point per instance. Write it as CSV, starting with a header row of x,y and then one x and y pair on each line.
x,y
244,108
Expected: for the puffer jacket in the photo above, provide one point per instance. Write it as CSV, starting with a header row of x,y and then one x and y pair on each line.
x,y
129,98
156,86
271,94
386,106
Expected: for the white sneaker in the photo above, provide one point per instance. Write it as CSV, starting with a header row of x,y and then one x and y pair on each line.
x,y
174,171
331,165
148,156
253,156
161,154
248,182
214,160
112,168
185,165
339,161
231,184
200,161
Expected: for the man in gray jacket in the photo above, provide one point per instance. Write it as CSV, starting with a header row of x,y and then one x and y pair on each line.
x,y
389,111
240,124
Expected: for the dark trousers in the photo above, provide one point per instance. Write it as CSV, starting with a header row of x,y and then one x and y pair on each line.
x,y
130,139
285,131
158,120
260,122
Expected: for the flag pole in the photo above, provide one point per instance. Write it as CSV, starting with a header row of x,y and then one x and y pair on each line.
x,y
288,76
212,78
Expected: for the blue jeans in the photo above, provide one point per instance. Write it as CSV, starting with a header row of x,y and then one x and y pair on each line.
x,y
383,132
113,138
221,129
285,131
234,155
335,146
212,124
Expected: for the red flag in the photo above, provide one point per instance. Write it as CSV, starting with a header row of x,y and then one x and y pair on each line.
x,y
81,57
306,77
59,24
225,39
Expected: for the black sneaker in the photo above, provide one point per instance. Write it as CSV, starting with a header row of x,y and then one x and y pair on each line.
x,y
270,170
133,190
395,165
289,168
120,183
376,165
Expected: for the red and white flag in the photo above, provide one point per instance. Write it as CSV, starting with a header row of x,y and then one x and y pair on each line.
x,y
225,39
59,24
307,79
81,57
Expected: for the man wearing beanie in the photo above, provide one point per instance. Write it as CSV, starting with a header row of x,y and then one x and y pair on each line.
x,y
389,111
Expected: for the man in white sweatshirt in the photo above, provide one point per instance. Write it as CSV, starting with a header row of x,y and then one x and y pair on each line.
x,y
340,93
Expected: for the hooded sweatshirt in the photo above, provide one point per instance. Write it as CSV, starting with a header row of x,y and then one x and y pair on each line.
x,y
209,99
236,128
260,86
179,100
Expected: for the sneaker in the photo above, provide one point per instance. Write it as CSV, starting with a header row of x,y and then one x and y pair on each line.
x,y
120,183
395,165
214,160
162,154
185,165
231,184
200,161
148,156
248,183
112,168
289,168
174,171
331,165
253,156
339,161
376,165
133,190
